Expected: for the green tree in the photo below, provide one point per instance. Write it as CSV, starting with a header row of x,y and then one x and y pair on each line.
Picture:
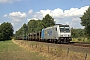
x,y
85,21
32,25
48,21
22,32
6,31
35,26
40,25
76,33
25,29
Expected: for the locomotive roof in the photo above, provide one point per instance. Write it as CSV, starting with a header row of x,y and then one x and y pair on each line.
x,y
62,25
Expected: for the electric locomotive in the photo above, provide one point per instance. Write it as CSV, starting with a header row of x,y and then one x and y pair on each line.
x,y
58,34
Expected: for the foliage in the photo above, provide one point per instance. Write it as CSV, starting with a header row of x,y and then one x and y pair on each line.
x,y
48,21
6,31
35,26
22,31
76,33
85,21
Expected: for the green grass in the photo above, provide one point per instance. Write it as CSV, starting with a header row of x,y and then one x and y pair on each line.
x,y
81,39
11,51
89,40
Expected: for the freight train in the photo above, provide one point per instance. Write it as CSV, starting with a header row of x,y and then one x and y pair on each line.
x,y
56,34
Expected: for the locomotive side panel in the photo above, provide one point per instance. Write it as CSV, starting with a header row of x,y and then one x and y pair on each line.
x,y
50,33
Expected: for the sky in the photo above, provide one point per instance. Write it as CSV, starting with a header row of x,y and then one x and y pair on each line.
x,y
18,12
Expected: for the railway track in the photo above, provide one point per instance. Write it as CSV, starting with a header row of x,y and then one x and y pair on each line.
x,y
82,44
82,47
72,46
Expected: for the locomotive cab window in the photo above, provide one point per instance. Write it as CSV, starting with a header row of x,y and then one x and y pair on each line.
x,y
67,29
61,29
64,29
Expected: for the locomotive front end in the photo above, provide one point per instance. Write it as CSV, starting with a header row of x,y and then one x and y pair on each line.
x,y
65,34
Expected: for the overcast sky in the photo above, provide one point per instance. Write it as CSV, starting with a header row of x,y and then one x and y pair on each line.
x,y
19,12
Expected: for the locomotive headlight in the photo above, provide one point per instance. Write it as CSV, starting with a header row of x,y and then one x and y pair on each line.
x,y
61,35
69,35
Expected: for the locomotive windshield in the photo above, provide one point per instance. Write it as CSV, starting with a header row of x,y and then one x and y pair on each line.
x,y
64,29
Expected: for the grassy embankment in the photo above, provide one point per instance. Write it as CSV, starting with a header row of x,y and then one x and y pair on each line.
x,y
11,51
81,39
54,53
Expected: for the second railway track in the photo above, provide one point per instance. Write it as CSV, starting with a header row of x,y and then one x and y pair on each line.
x,y
82,44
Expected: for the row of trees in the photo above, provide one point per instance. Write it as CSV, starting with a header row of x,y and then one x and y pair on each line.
x,y
77,33
35,26
6,31
38,25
